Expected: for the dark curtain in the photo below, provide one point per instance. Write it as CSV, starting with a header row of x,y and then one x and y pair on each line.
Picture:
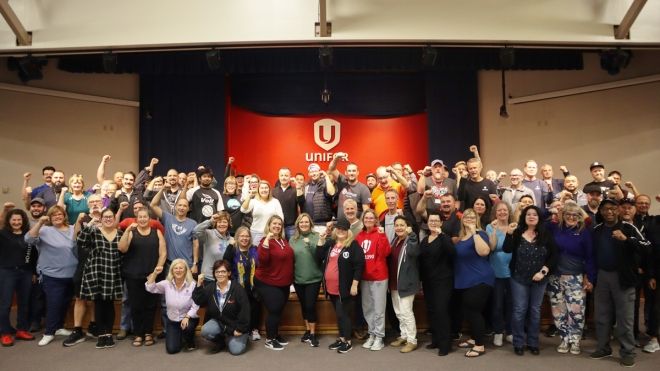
x,y
182,121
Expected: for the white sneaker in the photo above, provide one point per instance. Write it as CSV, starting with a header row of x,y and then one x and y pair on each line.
x,y
509,338
255,335
63,332
45,340
652,346
497,340
378,344
369,343
575,349
562,348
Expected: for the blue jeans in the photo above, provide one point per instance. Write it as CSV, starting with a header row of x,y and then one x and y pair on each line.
x,y
527,299
176,335
59,292
289,231
18,281
502,304
126,322
213,329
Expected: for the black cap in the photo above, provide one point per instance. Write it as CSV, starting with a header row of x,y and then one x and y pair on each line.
x,y
596,164
627,200
608,201
591,188
204,170
343,224
371,175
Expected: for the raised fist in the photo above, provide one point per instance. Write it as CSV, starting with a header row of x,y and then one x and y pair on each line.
x,y
123,206
27,176
44,219
154,161
8,206
473,148
231,160
512,227
106,158
563,169
158,269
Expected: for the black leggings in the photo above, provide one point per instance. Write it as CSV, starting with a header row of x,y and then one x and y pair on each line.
x,y
437,295
308,294
104,310
343,311
255,310
143,306
474,301
274,299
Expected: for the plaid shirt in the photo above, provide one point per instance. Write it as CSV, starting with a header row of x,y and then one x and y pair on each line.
x,y
102,272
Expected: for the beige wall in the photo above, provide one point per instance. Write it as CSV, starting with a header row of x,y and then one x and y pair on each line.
x,y
69,134
619,127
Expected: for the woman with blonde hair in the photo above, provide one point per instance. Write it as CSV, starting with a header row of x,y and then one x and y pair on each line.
x,y
574,275
307,274
474,278
75,197
231,199
260,202
499,261
182,316
213,236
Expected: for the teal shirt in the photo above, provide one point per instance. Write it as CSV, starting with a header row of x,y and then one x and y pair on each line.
x,y
75,207
305,269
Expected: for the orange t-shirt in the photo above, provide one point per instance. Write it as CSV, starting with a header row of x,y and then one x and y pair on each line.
x,y
378,197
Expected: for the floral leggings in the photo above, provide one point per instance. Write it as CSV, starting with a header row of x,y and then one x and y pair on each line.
x,y
567,298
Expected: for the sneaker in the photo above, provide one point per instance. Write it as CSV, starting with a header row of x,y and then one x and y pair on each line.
x,y
255,335
273,344
409,347
398,342
24,335
563,347
651,347
627,361
509,339
344,347
281,340
76,337
498,340
551,331
100,343
335,345
63,332
367,344
122,334
45,340
599,353
191,346
7,340
92,330
305,337
313,341
378,344
109,342
575,349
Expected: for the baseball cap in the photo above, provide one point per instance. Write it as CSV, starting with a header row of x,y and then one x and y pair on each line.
x,y
313,167
596,164
608,201
437,162
39,200
343,224
204,170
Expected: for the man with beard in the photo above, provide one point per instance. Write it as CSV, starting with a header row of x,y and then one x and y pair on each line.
x,y
317,197
47,174
170,195
449,216
594,198
371,181
126,194
571,191
95,204
52,194
204,200
348,186
618,247
597,170
434,178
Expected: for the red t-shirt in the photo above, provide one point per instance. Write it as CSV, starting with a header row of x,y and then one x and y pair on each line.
x,y
152,224
332,272
376,250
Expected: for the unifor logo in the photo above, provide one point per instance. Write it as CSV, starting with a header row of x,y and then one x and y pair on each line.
x,y
327,133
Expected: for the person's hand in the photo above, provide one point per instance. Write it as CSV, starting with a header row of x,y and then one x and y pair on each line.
x,y
80,218
389,169
652,284
154,162
428,193
270,236
237,333
194,269
200,280
501,175
96,187
158,270
95,221
471,229
215,217
341,155
323,174
619,235
28,189
409,230
408,168
253,193
354,290
563,169
381,229
231,160
117,193
106,159
657,197
473,148
8,206
167,186
399,211
493,197
629,184
133,226
494,224
512,227
588,286
43,220
232,241
65,189
27,176
184,323
454,170
123,205
538,276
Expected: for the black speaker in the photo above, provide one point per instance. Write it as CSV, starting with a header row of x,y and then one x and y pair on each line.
x,y
507,58
614,60
28,68
325,57
213,59
109,62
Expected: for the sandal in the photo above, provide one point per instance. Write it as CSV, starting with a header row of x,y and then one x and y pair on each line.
x,y
473,353
149,340
137,342
466,344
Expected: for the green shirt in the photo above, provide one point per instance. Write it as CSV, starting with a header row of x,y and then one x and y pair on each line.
x,y
306,270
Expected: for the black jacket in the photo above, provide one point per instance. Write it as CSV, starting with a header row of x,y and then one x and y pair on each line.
x,y
629,252
512,242
350,265
235,314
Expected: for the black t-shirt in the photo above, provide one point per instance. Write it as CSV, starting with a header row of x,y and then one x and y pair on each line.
x,y
469,191
142,255
452,226
203,203
14,251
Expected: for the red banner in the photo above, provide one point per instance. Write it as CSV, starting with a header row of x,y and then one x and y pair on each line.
x,y
262,144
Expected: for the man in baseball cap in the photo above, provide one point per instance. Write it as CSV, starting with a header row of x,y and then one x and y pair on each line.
x,y
598,174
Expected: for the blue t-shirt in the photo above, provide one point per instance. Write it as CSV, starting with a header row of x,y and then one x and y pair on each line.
x,y
470,269
179,237
499,260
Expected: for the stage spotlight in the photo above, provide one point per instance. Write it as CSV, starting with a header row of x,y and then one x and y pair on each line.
x,y
614,60
109,62
28,68
325,57
213,59
429,56
325,95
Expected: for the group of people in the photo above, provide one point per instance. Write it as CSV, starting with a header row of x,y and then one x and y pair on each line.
x,y
478,251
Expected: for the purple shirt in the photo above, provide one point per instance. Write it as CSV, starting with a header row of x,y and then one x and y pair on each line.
x,y
179,302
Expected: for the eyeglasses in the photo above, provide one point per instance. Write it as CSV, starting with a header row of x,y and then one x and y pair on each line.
x,y
108,217
571,215
221,272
